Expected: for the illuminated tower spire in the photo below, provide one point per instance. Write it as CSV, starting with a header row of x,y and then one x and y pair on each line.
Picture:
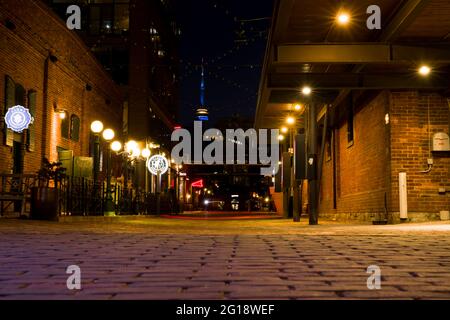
x,y
202,87
202,111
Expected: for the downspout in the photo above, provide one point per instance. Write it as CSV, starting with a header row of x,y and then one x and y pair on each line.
x,y
334,154
430,158
388,157
45,109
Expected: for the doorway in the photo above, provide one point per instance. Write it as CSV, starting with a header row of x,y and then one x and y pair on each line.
x,y
18,167
18,164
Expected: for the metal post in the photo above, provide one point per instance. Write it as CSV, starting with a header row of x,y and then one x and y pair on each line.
x,y
146,179
312,158
286,167
96,166
109,207
296,205
297,201
96,157
158,194
177,192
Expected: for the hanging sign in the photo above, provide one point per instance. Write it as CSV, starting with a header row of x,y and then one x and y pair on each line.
x,y
158,165
18,118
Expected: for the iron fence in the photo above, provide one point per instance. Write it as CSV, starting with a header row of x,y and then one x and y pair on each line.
x,y
83,197
80,197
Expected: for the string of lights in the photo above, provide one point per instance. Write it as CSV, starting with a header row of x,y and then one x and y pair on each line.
x,y
192,67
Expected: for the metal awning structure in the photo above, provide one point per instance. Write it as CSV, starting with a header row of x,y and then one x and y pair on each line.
x,y
308,48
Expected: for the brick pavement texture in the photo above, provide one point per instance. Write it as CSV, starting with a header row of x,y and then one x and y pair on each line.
x,y
215,260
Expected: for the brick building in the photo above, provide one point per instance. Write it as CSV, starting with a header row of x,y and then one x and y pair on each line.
x,y
48,69
371,115
360,172
137,43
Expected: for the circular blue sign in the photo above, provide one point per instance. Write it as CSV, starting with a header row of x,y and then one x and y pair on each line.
x,y
18,118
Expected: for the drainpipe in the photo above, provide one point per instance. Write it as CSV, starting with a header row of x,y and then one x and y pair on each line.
x,y
45,109
430,158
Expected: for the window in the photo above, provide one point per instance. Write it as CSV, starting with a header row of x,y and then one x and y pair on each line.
x,y
109,17
75,128
328,146
20,95
65,126
350,124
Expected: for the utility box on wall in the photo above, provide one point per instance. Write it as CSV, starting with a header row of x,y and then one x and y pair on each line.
x,y
441,142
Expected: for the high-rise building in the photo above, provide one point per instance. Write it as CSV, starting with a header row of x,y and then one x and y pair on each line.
x,y
137,43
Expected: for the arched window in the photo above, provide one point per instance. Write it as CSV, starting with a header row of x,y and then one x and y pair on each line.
x,y
75,128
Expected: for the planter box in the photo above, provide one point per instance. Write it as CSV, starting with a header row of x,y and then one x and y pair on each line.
x,y
44,204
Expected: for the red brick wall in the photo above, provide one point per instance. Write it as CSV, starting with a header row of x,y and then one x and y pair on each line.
x,y
410,150
23,53
360,167
370,167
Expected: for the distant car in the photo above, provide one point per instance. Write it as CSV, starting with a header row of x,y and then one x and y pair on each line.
x,y
213,204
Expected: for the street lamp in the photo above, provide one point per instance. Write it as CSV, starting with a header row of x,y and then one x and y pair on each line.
x,y
306,90
290,120
108,135
343,18
424,70
146,153
96,128
299,107
116,146
132,148
110,211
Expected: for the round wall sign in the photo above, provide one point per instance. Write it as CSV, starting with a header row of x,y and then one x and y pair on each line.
x,y
18,118
158,165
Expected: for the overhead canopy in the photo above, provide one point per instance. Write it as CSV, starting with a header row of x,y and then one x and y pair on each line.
x,y
307,47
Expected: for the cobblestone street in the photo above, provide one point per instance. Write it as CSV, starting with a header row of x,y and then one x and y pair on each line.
x,y
153,258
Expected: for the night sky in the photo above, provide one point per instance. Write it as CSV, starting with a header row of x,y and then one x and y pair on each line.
x,y
233,51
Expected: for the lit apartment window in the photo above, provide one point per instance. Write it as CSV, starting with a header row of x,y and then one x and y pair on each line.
x,y
161,53
109,17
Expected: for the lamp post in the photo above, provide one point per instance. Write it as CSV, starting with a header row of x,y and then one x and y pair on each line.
x,y
133,154
110,211
158,165
146,153
96,128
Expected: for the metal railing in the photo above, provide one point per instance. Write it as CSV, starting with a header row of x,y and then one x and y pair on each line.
x,y
15,192
82,197
79,197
